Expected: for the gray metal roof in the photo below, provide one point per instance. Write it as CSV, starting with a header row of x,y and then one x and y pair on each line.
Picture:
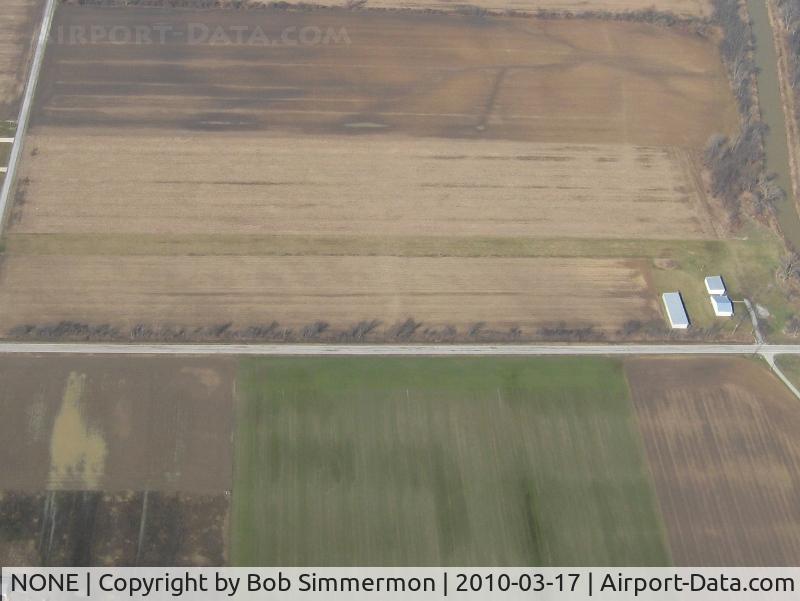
x,y
715,285
675,309
722,302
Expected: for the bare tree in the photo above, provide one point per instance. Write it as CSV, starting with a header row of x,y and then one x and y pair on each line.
x,y
789,267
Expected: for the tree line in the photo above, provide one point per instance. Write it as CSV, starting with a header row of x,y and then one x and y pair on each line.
x,y
737,166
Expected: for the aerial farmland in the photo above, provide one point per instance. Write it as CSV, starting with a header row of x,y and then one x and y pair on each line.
x,y
135,456
208,186
397,461
503,462
719,437
19,20
685,8
362,187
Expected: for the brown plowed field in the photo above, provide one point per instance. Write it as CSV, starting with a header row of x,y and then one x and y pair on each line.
x,y
721,436
688,8
88,423
398,126
19,22
451,76
297,291
685,8
226,183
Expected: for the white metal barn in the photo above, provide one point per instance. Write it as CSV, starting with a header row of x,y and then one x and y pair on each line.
x,y
723,307
676,312
715,285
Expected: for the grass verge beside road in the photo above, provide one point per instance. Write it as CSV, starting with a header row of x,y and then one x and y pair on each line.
x,y
790,366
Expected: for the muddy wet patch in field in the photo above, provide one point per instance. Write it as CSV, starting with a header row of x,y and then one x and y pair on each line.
x,y
116,423
90,528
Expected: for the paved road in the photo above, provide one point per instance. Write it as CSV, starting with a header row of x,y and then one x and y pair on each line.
x,y
25,109
767,351
395,349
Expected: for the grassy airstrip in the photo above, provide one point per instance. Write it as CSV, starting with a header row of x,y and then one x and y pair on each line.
x,y
440,461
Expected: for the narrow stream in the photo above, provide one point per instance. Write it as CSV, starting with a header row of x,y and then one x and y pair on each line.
x,y
769,95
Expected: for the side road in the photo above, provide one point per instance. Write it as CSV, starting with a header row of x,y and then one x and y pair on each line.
x,y
25,109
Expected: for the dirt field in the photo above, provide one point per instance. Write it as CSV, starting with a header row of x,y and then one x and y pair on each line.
x,y
115,461
451,76
384,125
395,127
722,440
79,528
19,22
689,8
114,424
298,291
226,183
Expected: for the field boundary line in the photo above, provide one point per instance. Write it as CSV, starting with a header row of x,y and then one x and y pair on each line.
x,y
25,109
100,348
769,357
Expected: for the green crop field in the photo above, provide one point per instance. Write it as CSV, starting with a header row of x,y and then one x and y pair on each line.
x,y
400,461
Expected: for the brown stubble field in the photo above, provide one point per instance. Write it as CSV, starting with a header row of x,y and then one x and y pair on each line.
x,y
721,437
687,8
19,22
683,8
119,461
113,424
584,81
343,291
414,126
261,184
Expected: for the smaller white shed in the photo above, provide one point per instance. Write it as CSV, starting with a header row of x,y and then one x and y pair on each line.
x,y
676,312
723,307
715,285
